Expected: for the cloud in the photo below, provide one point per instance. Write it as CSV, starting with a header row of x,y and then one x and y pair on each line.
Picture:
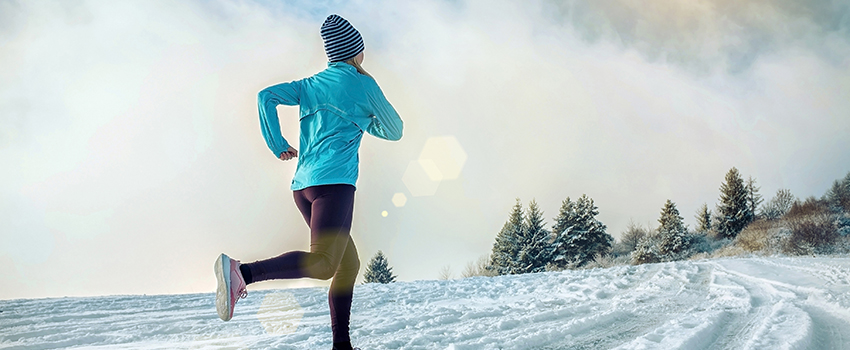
x,y
714,34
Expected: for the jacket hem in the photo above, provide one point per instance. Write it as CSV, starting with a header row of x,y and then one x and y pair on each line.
x,y
297,187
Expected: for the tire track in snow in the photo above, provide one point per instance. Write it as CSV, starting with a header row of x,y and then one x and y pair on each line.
x,y
741,324
814,289
668,291
662,290
829,332
737,307
799,317
830,274
628,316
692,321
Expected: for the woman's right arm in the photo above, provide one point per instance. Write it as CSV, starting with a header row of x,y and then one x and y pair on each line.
x,y
268,99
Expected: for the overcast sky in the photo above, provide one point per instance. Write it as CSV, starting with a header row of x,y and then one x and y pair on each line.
x,y
132,155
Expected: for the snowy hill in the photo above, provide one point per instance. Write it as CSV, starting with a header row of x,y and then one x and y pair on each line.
x,y
736,303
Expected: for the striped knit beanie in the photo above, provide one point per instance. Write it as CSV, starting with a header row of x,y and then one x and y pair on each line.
x,y
342,41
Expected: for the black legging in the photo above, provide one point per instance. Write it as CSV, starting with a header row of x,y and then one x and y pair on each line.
x,y
327,210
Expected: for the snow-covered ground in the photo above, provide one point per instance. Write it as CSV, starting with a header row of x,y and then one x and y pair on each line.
x,y
734,303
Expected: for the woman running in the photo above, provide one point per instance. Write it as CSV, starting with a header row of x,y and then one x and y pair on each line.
x,y
336,106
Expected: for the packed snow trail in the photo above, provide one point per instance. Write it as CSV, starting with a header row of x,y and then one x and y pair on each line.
x,y
733,303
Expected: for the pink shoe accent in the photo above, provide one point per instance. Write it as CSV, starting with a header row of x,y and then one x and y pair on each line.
x,y
231,286
238,288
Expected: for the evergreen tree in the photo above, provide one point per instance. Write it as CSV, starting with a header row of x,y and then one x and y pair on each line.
x,y
703,219
845,201
646,250
566,217
378,270
753,199
535,243
838,195
579,236
734,205
839,200
564,223
506,249
716,218
671,233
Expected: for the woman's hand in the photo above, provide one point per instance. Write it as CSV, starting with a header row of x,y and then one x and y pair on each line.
x,y
289,154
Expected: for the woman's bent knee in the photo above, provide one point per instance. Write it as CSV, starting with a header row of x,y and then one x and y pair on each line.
x,y
320,268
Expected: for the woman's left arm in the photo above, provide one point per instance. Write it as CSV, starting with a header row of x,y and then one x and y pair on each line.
x,y
386,123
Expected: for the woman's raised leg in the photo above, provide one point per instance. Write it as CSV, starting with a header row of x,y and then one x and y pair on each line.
x,y
328,209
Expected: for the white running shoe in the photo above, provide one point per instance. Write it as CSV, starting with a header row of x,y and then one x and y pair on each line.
x,y
231,286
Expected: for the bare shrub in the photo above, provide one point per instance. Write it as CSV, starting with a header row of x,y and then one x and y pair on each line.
x,y
699,256
622,260
769,237
812,234
756,236
571,264
446,273
728,250
599,261
779,205
629,239
606,261
812,206
812,226
478,268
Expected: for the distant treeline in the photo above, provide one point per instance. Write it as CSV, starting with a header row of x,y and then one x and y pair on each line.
x,y
741,223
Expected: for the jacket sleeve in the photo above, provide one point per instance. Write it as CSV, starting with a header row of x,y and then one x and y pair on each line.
x,y
268,99
386,123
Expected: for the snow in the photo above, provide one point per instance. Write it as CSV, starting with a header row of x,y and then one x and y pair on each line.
x,y
731,303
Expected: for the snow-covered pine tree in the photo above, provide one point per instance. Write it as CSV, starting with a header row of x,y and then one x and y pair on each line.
x,y
646,250
838,195
754,199
536,243
734,205
703,219
600,241
566,217
564,223
845,201
579,236
671,232
379,270
838,199
506,249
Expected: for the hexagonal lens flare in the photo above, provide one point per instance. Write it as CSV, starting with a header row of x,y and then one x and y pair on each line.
x,y
446,153
399,199
280,313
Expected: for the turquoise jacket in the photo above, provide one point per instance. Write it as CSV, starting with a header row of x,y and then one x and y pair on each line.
x,y
337,105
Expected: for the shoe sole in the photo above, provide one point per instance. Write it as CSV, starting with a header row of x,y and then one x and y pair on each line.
x,y
222,292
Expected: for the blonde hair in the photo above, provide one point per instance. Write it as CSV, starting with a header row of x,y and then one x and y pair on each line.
x,y
360,69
